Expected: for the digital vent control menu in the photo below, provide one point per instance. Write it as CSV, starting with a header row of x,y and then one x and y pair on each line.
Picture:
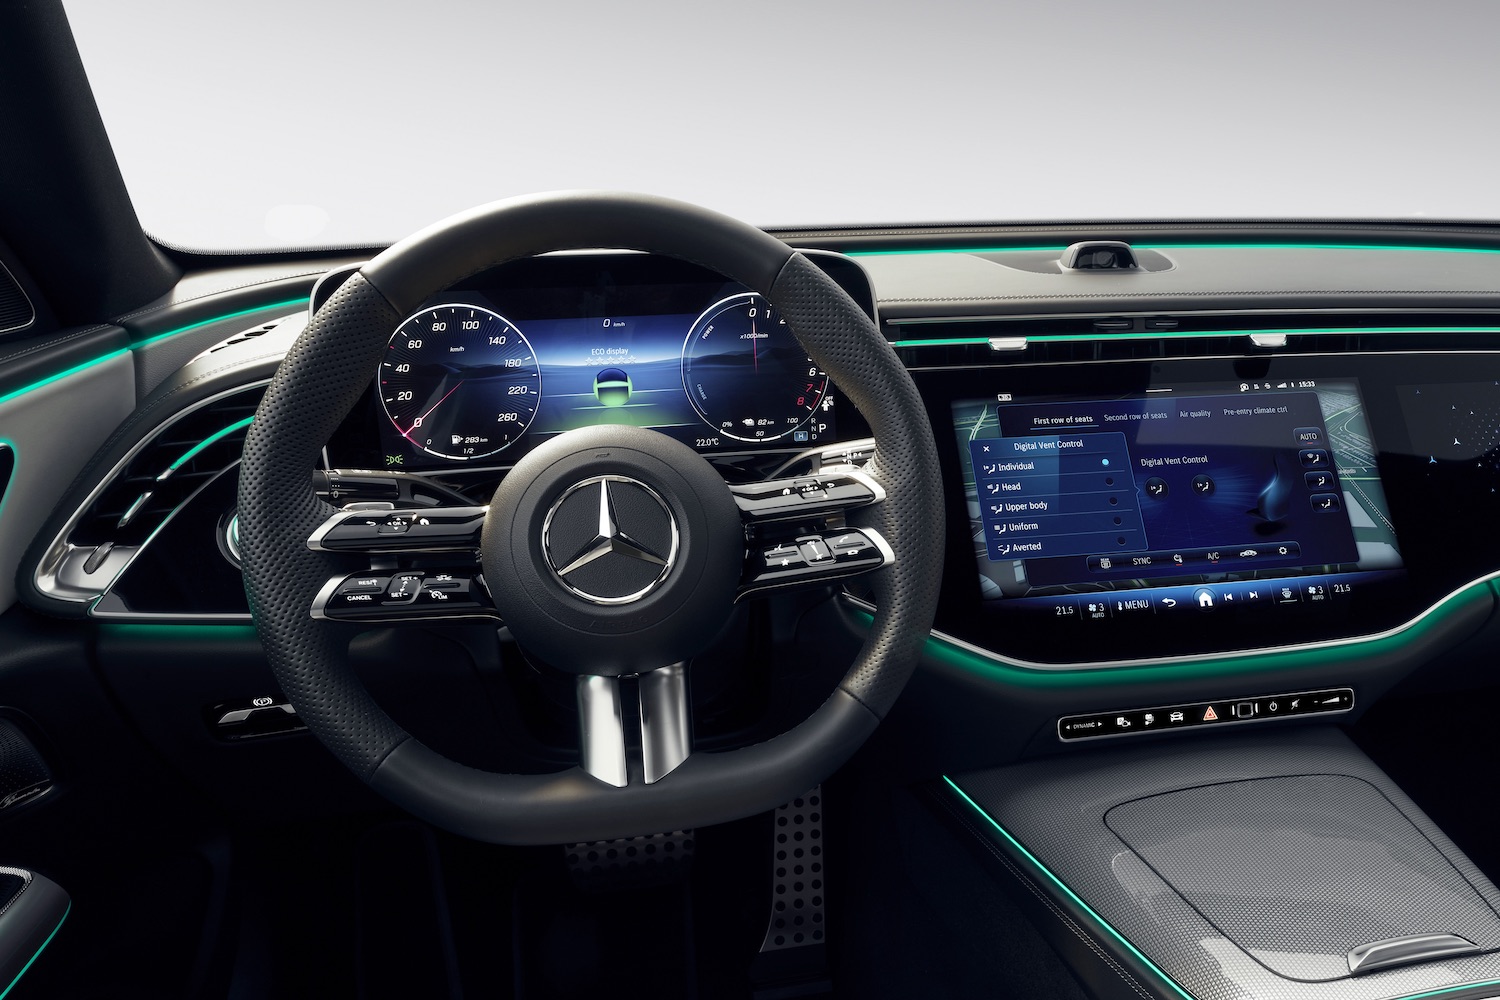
x,y
1181,492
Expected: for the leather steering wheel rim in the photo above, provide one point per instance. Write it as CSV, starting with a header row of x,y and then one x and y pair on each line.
x,y
323,376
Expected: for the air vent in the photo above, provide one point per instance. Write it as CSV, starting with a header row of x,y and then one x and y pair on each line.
x,y
242,337
7,467
178,460
16,312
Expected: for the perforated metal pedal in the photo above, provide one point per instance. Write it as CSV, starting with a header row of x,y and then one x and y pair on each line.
x,y
793,959
630,861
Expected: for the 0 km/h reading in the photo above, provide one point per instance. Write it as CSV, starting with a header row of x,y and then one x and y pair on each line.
x,y
459,382
746,375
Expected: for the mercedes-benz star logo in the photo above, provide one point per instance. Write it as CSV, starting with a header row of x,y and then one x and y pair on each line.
x,y
593,556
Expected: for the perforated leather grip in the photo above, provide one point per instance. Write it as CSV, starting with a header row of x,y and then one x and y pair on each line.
x,y
846,344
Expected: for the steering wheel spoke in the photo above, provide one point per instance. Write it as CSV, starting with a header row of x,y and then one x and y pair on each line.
x,y
402,596
814,559
665,720
381,527
663,569
797,531
803,498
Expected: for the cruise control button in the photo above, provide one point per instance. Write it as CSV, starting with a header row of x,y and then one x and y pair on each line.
x,y
349,602
363,585
403,589
446,592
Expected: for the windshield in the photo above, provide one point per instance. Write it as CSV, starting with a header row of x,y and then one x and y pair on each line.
x,y
302,124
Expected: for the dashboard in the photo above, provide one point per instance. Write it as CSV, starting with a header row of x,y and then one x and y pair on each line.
x,y
1124,489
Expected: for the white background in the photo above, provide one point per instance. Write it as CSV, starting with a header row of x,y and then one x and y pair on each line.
x,y
281,122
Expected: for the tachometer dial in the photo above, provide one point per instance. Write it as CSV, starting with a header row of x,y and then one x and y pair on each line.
x,y
745,373
460,382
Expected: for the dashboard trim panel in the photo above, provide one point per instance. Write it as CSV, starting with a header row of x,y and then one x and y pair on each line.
x,y
1465,592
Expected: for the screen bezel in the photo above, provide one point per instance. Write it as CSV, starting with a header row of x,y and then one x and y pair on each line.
x,y
1440,556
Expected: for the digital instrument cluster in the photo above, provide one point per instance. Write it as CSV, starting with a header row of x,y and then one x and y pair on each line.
x,y
491,369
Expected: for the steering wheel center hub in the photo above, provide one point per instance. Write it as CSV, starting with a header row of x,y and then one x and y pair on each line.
x,y
610,539
613,550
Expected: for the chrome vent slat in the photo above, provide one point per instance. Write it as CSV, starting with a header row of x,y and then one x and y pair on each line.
x,y
172,466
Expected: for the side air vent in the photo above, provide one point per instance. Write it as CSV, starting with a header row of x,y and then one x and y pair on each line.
x,y
16,311
173,465
7,468
242,337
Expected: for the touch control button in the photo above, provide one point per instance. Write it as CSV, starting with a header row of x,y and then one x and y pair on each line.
x,y
783,557
1326,503
814,549
404,588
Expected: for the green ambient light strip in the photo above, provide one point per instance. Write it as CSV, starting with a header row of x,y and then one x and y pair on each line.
x,y
1379,247
1102,336
994,667
39,951
111,355
1104,924
206,443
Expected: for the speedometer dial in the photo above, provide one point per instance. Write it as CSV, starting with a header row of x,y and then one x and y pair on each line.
x,y
460,382
745,373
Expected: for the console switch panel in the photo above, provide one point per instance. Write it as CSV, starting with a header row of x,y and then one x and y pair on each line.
x,y
1226,711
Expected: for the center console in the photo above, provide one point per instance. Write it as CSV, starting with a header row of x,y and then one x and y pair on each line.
x,y
1240,867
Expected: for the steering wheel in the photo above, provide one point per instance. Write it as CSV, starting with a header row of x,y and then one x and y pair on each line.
x,y
607,551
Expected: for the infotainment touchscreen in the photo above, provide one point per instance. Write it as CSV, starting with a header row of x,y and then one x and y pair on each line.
x,y
1195,496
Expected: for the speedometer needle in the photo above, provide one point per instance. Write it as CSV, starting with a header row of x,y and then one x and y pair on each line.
x,y
418,422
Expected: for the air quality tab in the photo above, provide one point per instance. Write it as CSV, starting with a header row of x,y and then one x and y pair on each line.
x,y
1057,495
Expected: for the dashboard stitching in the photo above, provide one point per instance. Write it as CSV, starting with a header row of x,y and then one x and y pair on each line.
x,y
55,341
215,293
